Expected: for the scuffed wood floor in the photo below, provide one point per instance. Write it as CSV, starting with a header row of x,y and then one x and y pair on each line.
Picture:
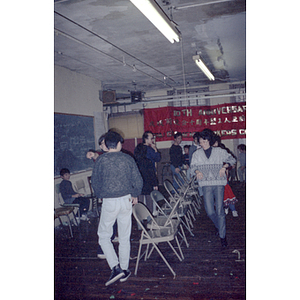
x,y
207,272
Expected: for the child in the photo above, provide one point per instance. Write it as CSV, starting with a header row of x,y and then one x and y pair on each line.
x,y
186,149
70,196
230,200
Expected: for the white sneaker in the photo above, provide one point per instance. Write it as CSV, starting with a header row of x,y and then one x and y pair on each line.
x,y
115,240
226,211
101,256
235,213
84,218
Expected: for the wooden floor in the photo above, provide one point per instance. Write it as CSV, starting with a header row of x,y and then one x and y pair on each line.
x,y
207,272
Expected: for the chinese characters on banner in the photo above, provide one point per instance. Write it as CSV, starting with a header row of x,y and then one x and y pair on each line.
x,y
228,120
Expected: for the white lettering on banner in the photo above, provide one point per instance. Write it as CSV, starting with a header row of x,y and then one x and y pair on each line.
x,y
224,110
228,132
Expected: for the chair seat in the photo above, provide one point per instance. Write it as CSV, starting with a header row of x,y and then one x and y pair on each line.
x,y
70,205
62,211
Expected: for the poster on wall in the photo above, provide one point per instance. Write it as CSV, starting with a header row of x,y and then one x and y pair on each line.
x,y
227,120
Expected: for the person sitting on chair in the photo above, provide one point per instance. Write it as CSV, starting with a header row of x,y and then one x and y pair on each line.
x,y
70,196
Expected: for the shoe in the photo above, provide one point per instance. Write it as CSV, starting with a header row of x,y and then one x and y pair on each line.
x,y
84,218
115,240
101,255
226,211
127,274
224,243
115,275
235,213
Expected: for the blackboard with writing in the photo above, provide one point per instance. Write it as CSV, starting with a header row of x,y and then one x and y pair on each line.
x,y
73,137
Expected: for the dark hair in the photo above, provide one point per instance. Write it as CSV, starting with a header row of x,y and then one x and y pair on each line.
x,y
101,138
145,135
217,138
112,139
242,147
196,135
92,150
207,134
186,146
64,171
177,134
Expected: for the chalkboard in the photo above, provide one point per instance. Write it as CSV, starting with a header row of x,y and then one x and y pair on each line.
x,y
73,137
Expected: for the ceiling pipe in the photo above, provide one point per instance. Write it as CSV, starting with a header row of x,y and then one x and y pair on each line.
x,y
118,48
180,98
201,4
57,31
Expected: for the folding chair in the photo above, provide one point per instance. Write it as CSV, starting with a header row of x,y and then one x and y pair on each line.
x,y
80,185
191,194
193,187
166,210
185,204
63,204
65,211
96,201
155,234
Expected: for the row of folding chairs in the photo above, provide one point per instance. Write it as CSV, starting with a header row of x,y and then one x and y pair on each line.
x,y
172,217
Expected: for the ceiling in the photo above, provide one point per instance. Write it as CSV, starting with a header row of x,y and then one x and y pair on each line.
x,y
112,41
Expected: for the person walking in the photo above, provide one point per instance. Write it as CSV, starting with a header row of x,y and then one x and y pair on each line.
x,y
117,180
210,164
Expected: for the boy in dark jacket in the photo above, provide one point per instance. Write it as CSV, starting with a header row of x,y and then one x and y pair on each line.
x,y
70,196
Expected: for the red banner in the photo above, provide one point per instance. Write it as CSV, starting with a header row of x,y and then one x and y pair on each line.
x,y
228,120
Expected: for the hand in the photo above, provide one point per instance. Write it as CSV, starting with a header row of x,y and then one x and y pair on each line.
x,y
222,172
155,188
199,175
177,170
134,200
90,155
154,147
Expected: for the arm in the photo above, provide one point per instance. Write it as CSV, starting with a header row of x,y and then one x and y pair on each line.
x,y
153,154
195,163
96,178
137,180
66,190
229,160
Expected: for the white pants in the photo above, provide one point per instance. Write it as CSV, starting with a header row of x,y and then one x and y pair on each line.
x,y
113,209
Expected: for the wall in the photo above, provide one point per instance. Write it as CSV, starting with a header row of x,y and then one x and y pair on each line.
x,y
75,93
132,125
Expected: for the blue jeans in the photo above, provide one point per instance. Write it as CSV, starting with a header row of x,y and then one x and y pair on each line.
x,y
242,174
214,197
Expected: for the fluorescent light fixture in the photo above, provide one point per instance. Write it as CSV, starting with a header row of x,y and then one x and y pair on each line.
x,y
159,19
203,67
